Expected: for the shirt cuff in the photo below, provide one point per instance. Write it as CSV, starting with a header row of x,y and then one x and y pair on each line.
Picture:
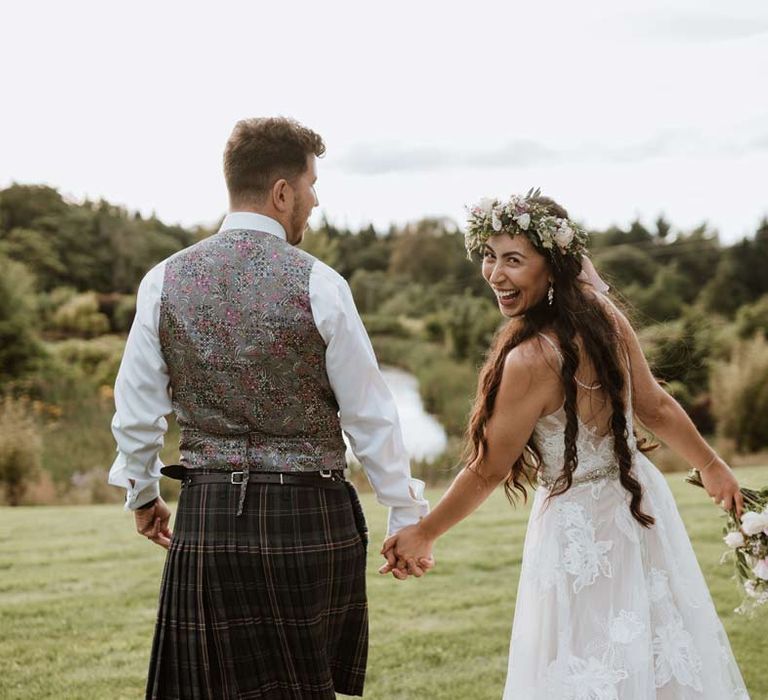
x,y
138,498
403,516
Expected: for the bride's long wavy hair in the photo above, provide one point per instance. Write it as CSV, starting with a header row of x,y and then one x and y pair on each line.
x,y
573,313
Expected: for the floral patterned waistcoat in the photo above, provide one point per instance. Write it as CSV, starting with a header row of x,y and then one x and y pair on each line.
x,y
246,361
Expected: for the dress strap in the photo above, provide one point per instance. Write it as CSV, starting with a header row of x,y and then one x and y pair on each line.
x,y
590,387
554,346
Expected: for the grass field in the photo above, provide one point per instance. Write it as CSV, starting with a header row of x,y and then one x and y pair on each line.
x,y
78,590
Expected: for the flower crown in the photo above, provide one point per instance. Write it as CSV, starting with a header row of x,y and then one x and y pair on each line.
x,y
522,214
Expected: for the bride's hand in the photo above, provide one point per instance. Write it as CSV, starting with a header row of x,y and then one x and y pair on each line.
x,y
722,486
408,551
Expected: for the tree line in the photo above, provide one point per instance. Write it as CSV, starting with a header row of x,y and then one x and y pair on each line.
x,y
70,270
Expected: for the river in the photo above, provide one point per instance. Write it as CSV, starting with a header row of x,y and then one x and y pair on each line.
x,y
424,436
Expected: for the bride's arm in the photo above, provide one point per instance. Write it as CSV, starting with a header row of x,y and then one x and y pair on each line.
x,y
526,384
664,416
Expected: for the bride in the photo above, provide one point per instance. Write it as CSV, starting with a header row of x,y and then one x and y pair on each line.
x,y
611,602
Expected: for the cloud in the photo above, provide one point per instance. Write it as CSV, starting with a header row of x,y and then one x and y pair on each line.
x,y
381,159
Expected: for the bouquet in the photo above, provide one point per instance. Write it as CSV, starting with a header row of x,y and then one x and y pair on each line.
x,y
747,545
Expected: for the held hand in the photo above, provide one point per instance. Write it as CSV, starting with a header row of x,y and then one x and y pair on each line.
x,y
152,523
408,552
722,486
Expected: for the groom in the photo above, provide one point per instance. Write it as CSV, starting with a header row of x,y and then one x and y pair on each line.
x,y
258,349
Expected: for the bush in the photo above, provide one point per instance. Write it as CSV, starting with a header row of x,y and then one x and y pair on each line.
x,y
124,312
378,324
740,395
20,449
80,315
20,348
96,360
753,318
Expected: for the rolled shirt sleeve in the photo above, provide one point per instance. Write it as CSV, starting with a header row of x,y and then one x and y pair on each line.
x,y
142,400
367,410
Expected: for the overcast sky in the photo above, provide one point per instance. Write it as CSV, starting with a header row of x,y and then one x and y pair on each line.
x,y
617,109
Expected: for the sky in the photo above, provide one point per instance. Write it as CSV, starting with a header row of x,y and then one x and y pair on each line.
x,y
616,109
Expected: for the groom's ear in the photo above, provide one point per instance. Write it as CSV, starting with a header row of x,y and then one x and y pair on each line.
x,y
282,195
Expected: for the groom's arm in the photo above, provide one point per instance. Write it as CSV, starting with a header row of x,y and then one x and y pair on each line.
x,y
367,410
142,400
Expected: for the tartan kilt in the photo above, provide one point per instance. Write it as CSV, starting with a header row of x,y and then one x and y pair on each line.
x,y
271,604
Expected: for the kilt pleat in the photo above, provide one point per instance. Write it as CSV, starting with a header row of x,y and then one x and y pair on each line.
x,y
270,605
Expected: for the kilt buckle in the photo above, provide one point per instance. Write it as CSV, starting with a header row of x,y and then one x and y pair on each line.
x,y
326,473
236,481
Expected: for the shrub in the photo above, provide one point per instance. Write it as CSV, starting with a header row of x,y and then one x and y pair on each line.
x,y
740,395
380,324
96,360
80,315
20,348
753,318
20,448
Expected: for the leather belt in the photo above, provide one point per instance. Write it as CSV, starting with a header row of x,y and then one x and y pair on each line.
x,y
325,478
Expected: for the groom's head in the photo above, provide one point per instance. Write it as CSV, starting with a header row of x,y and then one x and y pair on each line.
x,y
270,167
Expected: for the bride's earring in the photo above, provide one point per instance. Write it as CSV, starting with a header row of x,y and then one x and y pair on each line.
x,y
550,294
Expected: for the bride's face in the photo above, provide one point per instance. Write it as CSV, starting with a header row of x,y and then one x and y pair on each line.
x,y
518,274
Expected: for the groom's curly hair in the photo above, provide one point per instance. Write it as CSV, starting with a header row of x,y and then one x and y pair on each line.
x,y
573,313
263,150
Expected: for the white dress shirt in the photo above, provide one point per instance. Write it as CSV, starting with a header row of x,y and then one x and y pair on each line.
x,y
367,411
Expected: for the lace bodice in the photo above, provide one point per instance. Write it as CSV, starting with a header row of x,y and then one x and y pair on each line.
x,y
594,451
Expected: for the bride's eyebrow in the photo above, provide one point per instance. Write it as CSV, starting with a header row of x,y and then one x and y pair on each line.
x,y
489,249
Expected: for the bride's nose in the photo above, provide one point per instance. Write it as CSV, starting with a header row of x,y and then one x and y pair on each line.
x,y
497,274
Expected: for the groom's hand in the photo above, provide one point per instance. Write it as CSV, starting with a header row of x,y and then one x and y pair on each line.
x,y
408,553
152,523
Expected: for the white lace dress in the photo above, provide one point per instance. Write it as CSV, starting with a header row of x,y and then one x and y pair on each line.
x,y
607,609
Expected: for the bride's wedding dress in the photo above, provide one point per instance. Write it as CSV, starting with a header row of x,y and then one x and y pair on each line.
x,y
607,609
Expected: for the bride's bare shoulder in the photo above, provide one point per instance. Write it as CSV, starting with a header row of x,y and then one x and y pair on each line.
x,y
538,357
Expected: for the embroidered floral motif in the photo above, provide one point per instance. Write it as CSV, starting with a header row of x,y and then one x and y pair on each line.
x,y
625,627
584,679
675,657
583,557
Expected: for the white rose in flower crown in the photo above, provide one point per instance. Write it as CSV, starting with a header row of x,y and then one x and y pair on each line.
x,y
761,569
523,221
496,219
752,523
564,235
485,205
734,539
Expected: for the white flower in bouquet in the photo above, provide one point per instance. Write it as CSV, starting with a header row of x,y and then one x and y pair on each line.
x,y
734,539
753,523
761,569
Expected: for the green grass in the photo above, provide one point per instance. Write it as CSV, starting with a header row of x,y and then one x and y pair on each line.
x,y
78,593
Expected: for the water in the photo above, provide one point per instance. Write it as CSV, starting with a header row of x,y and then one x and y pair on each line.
x,y
424,436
